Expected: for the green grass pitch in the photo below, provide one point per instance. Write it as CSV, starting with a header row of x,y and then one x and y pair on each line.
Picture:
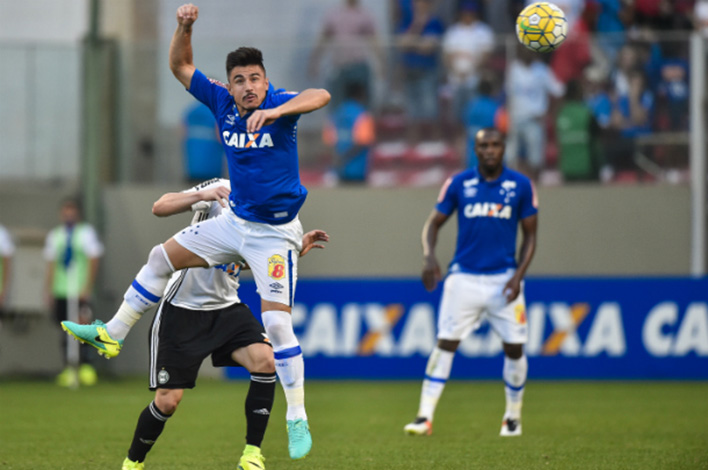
x,y
355,425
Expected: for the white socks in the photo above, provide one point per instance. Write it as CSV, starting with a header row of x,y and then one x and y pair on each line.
x,y
288,360
515,371
436,374
144,293
119,326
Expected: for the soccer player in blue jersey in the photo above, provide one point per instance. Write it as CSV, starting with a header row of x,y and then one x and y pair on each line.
x,y
484,279
258,126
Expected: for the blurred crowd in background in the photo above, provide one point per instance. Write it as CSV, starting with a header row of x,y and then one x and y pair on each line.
x,y
610,104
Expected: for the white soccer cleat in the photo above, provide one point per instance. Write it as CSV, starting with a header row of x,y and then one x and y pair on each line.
x,y
510,427
419,427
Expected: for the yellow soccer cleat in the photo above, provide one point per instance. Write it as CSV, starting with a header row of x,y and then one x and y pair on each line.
x,y
96,335
252,459
130,465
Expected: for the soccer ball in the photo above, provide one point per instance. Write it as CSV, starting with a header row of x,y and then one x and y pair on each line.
x,y
541,27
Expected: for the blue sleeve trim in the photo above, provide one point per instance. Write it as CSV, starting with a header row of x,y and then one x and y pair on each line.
x,y
286,353
144,292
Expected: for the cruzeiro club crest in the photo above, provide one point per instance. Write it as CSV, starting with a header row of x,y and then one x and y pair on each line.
x,y
276,267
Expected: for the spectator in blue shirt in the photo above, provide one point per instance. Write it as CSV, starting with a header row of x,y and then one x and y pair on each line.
x,y
419,46
479,114
203,153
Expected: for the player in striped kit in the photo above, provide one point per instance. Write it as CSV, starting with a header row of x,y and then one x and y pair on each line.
x,y
201,314
484,279
258,126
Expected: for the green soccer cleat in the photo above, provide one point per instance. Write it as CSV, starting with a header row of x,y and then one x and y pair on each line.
x,y
252,459
130,465
299,438
96,335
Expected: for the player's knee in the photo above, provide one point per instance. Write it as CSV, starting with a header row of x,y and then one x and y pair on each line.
x,y
264,363
167,401
513,351
448,345
159,262
279,327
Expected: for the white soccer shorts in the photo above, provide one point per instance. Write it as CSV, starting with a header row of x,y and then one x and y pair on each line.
x,y
271,251
470,298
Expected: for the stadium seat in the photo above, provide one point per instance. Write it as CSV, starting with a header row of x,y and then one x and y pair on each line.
x,y
388,154
428,154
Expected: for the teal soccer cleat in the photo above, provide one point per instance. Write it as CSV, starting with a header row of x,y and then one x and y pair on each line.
x,y
299,438
96,335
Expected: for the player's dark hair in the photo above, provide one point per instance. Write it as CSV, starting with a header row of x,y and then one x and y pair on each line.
x,y
242,57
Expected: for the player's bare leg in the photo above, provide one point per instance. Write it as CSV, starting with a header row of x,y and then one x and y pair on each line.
x,y
289,365
515,371
436,374
144,293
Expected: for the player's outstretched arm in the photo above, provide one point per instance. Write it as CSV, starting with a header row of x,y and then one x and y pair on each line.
x,y
175,203
431,268
306,101
181,62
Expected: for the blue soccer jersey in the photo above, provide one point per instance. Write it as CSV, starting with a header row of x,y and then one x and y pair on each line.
x,y
263,166
488,213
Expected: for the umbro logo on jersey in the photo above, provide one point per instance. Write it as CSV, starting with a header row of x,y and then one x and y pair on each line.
x,y
487,209
247,140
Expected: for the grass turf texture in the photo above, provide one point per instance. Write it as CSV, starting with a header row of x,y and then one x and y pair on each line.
x,y
355,425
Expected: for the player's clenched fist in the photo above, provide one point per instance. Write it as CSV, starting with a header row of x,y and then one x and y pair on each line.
x,y
187,14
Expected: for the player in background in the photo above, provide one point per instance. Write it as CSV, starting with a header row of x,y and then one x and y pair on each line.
x,y
484,279
7,251
258,125
72,251
201,314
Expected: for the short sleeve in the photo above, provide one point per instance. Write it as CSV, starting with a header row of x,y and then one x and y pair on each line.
x,y
364,132
91,244
208,91
447,202
529,200
554,86
49,251
281,96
